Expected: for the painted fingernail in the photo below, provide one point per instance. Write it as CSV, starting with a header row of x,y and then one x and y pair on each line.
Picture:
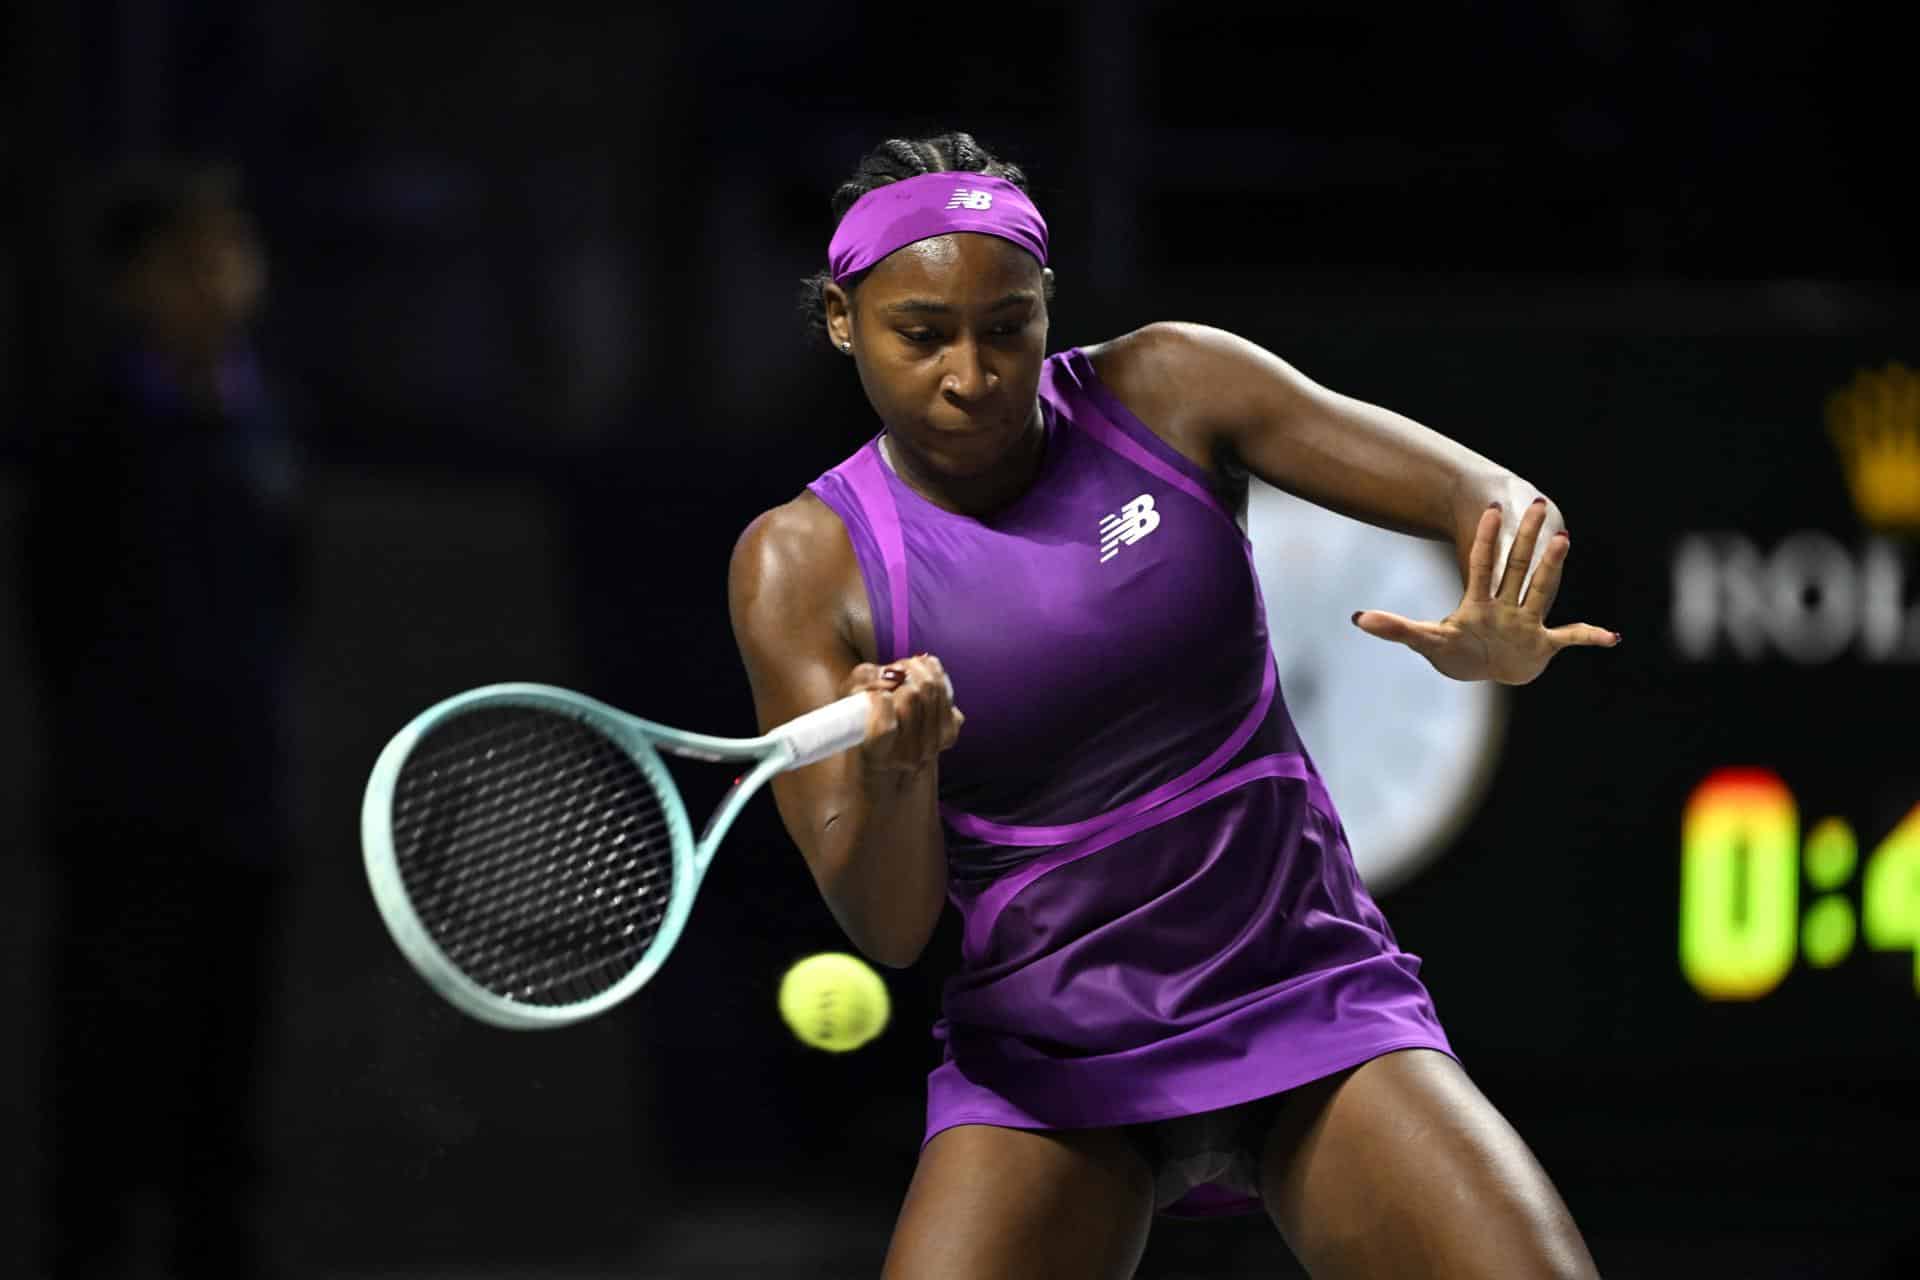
x,y
1536,502
1616,637
894,674
1493,506
1564,534
1356,616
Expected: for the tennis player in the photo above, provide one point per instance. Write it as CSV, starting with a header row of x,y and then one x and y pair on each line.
x,y
1174,996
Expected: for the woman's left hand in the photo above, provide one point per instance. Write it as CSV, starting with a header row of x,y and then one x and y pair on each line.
x,y
1496,633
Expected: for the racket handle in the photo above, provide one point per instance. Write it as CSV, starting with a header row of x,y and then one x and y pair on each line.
x,y
829,730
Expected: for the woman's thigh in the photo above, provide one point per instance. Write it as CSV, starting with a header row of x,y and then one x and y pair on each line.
x,y
1008,1203
1401,1167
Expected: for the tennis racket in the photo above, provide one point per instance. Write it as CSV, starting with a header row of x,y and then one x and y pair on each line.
x,y
530,853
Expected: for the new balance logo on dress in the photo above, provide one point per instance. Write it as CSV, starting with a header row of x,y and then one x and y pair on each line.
x,y
965,199
1135,521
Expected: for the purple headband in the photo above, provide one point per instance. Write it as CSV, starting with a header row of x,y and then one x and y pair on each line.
x,y
933,204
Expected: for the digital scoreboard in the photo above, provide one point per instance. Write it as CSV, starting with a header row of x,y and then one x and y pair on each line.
x,y
1758,894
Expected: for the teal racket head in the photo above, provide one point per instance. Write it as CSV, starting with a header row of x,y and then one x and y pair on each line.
x,y
528,852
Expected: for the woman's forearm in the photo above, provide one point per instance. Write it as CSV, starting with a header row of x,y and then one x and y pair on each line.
x,y
1214,390
1388,470
881,863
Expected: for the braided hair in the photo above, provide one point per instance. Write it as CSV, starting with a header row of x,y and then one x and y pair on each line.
x,y
893,161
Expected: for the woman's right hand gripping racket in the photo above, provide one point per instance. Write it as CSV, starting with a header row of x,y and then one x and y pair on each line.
x,y
532,857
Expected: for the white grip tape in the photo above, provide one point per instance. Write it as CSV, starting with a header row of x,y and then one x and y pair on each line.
x,y
829,730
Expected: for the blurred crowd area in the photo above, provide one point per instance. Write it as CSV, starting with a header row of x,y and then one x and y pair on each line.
x,y
518,225
351,355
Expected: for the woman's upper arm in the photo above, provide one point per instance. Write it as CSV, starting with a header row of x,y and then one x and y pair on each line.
x,y
1213,395
787,591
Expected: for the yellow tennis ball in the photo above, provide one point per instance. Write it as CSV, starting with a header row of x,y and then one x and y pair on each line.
x,y
834,1001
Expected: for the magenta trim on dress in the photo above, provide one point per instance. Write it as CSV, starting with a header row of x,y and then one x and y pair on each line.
x,y
1136,454
1001,833
988,906
1118,434
866,475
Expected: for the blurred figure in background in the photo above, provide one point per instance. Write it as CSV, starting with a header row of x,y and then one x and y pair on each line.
x,y
161,562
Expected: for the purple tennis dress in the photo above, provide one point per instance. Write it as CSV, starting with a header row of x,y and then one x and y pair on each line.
x,y
1161,916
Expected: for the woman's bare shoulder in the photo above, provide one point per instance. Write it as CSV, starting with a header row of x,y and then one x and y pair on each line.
x,y
1150,358
794,578
801,541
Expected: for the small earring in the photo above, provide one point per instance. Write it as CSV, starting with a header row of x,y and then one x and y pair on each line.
x,y
847,347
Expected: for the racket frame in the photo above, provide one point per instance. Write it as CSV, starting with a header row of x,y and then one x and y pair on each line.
x,y
810,737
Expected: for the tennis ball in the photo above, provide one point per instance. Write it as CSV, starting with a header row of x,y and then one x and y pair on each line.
x,y
834,1001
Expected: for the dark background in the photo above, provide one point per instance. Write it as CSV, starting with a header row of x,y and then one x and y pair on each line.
x,y
534,272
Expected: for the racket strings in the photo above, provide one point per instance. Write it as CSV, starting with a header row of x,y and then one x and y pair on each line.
x,y
535,851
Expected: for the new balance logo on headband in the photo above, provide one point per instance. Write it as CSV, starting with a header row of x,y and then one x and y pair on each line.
x,y
1135,521
965,199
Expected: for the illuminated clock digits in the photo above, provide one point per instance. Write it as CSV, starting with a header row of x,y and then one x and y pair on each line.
x,y
1890,895
1739,884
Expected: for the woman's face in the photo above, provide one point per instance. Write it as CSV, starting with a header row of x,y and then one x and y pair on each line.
x,y
949,335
